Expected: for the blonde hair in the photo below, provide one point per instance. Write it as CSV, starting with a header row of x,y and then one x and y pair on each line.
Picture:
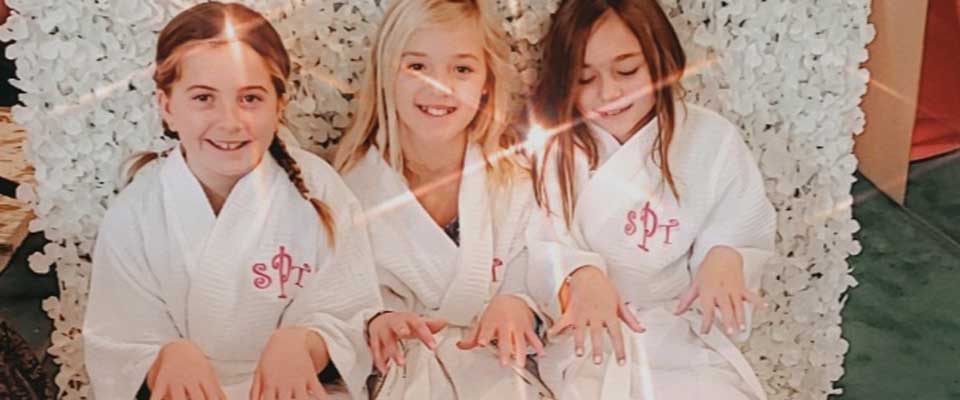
x,y
377,123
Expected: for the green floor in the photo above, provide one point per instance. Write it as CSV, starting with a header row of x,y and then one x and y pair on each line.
x,y
902,321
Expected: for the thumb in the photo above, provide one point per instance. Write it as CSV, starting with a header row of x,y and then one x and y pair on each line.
x,y
435,324
687,299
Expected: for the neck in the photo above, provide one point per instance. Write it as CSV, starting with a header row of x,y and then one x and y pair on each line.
x,y
427,162
216,186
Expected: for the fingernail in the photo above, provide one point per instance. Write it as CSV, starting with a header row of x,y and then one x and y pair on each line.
x,y
622,361
743,327
579,352
729,331
597,359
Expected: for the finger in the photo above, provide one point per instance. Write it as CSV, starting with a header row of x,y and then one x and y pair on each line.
x,y
519,344
300,392
285,393
756,300
435,324
504,344
737,301
401,330
392,350
471,341
210,390
159,389
707,308
194,392
423,332
486,334
726,313
596,342
535,342
269,393
316,389
686,301
626,315
565,323
255,387
378,361
616,336
579,330
177,392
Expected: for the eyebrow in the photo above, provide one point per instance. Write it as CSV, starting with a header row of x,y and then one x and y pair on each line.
x,y
420,54
621,57
205,87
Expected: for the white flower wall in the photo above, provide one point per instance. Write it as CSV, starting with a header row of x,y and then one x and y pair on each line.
x,y
788,72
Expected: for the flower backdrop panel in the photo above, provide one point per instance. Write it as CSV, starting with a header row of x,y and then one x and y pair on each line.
x,y
788,72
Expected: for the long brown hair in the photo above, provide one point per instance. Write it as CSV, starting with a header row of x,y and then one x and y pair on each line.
x,y
207,24
554,99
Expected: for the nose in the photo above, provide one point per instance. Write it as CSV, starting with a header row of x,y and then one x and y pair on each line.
x,y
230,116
439,84
609,90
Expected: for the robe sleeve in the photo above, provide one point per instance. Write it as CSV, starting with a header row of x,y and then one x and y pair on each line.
x,y
555,252
126,322
339,299
741,216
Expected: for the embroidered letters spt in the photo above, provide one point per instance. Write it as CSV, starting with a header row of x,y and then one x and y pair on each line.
x,y
282,262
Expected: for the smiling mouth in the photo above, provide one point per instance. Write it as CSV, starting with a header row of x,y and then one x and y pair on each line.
x,y
223,145
614,112
436,111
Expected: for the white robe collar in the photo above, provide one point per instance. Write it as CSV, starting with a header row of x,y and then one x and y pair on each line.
x,y
452,281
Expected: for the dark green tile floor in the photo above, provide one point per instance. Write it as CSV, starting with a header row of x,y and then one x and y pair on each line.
x,y
902,321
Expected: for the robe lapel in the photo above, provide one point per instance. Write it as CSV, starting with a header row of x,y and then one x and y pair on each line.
x,y
469,292
409,244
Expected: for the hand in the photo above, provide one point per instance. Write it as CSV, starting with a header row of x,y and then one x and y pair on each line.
x,y
510,322
595,304
180,372
719,284
289,365
388,329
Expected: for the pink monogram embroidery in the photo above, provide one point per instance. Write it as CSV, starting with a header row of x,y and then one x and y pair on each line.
x,y
651,225
283,263
497,263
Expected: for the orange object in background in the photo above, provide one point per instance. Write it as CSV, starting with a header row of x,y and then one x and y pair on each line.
x,y
937,129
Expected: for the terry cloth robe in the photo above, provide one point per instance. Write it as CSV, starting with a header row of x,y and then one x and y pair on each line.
x,y
422,270
165,268
627,222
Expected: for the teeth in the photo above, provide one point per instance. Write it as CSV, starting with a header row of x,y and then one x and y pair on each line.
x,y
437,111
612,112
227,145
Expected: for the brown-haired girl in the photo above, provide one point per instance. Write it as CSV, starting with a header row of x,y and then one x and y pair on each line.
x,y
656,205
231,267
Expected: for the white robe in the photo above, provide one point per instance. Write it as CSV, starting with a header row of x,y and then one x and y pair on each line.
x,y
422,270
628,223
165,267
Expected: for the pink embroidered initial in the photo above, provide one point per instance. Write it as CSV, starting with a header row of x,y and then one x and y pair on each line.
x,y
497,263
651,225
282,262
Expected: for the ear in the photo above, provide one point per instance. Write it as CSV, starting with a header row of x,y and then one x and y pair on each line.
x,y
163,101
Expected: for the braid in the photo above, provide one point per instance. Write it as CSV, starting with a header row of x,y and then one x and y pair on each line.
x,y
279,152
